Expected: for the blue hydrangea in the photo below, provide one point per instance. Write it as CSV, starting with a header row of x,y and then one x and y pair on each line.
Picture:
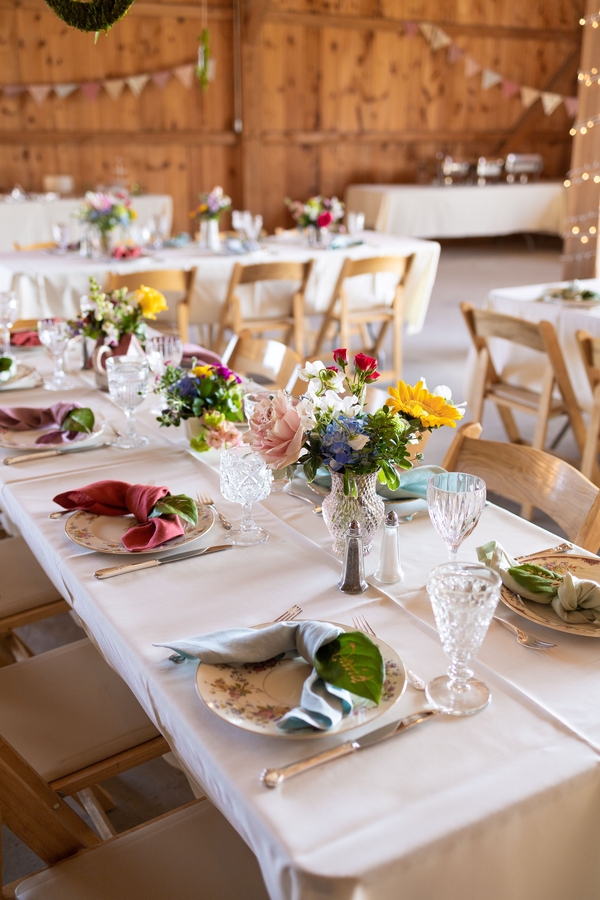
x,y
337,452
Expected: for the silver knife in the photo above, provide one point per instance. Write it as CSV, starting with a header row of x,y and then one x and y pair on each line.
x,y
46,454
273,777
152,563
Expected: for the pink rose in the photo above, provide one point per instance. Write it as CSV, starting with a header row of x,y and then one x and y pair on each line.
x,y
325,219
276,431
223,436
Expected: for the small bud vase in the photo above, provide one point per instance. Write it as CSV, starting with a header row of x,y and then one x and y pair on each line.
x,y
339,511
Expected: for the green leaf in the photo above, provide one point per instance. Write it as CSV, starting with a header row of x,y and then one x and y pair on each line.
x,y
537,579
176,505
352,661
5,363
79,420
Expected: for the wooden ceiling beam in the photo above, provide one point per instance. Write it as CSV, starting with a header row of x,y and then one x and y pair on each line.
x,y
139,8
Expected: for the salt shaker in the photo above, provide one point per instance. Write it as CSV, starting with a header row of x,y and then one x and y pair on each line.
x,y
353,574
389,570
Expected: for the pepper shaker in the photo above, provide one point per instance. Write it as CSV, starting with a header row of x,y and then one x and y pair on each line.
x,y
353,574
389,570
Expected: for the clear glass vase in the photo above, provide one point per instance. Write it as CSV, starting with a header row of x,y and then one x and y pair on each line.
x,y
367,508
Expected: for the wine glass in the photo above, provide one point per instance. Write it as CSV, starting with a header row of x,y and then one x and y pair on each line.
x,y
128,384
9,312
464,597
162,351
245,478
54,335
60,233
455,501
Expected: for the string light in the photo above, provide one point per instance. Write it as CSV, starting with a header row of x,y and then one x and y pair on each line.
x,y
583,217
577,256
583,173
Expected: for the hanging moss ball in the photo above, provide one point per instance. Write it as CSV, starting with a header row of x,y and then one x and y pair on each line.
x,y
97,15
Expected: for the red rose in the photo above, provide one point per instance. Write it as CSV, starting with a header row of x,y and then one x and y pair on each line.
x,y
340,356
332,368
366,364
371,377
325,219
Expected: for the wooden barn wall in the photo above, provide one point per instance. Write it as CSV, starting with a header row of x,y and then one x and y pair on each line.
x,y
333,92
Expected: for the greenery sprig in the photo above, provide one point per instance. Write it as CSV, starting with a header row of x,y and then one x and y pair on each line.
x,y
96,15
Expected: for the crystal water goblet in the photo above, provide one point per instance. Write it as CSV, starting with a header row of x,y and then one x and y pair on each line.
x,y
162,351
128,384
455,501
9,313
463,597
54,335
245,479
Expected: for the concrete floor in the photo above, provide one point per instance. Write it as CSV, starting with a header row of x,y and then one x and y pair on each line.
x,y
467,271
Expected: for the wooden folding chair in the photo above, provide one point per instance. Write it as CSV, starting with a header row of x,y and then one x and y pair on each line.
x,y
41,245
176,281
589,347
526,474
190,852
291,322
269,362
347,315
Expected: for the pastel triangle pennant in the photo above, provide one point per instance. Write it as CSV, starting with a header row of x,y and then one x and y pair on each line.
x,y
528,96
489,79
426,30
13,90
65,90
137,83
90,90
410,29
509,89
471,67
185,74
39,92
550,102
161,79
114,87
571,105
439,39
454,54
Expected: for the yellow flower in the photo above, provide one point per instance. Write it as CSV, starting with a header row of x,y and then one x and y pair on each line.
x,y
150,302
203,371
132,214
433,410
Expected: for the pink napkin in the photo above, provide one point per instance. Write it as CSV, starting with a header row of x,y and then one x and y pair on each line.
x,y
205,357
27,418
25,339
117,498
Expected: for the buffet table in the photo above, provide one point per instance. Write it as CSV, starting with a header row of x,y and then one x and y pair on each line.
x,y
503,804
460,211
30,221
51,285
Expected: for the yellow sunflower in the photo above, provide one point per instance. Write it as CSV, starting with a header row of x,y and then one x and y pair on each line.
x,y
150,301
433,410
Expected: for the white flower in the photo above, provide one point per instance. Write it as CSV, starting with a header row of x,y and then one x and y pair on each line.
x,y
442,390
311,370
112,334
305,410
335,380
359,441
350,405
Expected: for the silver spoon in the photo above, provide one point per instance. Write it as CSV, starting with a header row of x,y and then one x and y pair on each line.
x,y
318,510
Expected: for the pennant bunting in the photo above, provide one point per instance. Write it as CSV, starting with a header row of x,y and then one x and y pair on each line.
x,y
471,67
550,102
571,105
114,87
489,79
454,54
65,90
90,90
439,39
529,96
509,88
185,74
39,92
161,79
137,83
13,90
411,29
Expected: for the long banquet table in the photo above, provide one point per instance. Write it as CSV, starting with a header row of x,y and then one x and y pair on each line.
x,y
501,805
460,211
51,285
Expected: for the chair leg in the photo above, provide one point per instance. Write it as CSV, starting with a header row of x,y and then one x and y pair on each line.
x,y
590,450
183,320
94,810
18,647
105,800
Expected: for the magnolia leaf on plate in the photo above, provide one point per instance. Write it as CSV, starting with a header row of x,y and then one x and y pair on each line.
x,y
537,579
353,662
176,505
5,363
79,420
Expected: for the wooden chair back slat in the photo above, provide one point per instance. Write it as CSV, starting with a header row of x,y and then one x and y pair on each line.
x,y
175,280
371,265
25,325
40,245
489,324
276,271
267,359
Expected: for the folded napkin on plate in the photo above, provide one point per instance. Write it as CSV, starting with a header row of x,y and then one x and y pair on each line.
x,y
201,354
118,498
573,599
322,706
25,339
27,418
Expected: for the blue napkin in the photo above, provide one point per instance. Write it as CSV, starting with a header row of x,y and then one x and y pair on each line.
x,y
413,483
322,706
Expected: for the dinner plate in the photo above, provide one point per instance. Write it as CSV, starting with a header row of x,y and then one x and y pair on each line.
x,y
104,533
26,440
254,696
543,614
25,377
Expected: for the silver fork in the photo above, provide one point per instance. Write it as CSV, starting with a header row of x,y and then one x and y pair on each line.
x,y
206,500
526,640
361,624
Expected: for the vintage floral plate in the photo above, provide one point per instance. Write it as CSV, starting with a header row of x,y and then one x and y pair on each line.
x,y
543,614
25,377
255,695
104,533
26,440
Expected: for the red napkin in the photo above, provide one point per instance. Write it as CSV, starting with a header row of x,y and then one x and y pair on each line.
x,y
117,498
27,418
25,339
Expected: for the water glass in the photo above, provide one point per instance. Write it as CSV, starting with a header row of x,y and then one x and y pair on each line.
x,y
162,351
245,479
464,597
128,384
54,335
356,223
455,501
60,233
9,313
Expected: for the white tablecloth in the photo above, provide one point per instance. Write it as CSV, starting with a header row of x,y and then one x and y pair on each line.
x,y
52,285
31,222
460,211
503,805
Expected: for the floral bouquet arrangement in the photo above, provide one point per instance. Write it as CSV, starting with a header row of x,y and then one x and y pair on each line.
x,y
106,211
118,313
320,212
211,396
211,205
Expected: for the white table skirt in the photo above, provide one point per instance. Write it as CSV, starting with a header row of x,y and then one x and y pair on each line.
x,y
501,805
31,222
460,211
52,285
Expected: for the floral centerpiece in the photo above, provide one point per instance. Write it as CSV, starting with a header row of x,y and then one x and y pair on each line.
x,y
208,212
209,400
317,214
328,427
106,212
